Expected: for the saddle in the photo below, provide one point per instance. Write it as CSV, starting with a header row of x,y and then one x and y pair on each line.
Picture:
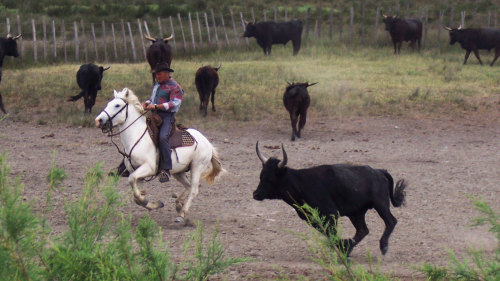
x,y
179,136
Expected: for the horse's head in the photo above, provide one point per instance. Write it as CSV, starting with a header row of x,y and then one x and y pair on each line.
x,y
116,111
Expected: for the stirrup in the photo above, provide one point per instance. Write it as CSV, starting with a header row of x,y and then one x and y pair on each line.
x,y
164,176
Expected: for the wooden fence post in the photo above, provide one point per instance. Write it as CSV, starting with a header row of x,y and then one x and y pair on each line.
x,y
199,28
115,51
182,31
351,25
77,43
19,31
172,32
124,40
253,15
191,29
234,27
330,22
341,22
215,27
426,25
7,25
63,31
265,15
441,18
44,30
375,33
286,14
275,14
319,15
363,5
224,29
94,41
141,38
54,42
160,30
84,41
105,41
451,16
462,19
307,22
208,28
132,44
243,25
33,29
146,29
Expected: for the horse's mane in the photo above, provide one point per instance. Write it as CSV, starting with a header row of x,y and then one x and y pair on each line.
x,y
129,97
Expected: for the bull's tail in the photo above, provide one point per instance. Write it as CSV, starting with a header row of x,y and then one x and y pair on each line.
x,y
398,194
2,108
77,97
216,168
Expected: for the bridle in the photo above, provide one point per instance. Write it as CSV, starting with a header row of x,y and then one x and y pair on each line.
x,y
108,128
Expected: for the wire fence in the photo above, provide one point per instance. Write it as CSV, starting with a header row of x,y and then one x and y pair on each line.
x,y
54,40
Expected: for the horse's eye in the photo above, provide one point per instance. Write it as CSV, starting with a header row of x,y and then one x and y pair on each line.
x,y
117,105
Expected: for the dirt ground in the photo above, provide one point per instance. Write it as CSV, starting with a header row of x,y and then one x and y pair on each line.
x,y
443,160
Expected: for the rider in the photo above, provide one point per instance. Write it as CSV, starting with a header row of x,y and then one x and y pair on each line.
x,y
166,99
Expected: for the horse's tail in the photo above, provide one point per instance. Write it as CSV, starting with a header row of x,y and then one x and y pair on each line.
x,y
77,97
216,168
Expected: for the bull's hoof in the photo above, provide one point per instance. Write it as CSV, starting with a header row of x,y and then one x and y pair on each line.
x,y
179,219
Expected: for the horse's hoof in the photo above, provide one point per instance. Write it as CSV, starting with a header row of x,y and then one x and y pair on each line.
x,y
179,219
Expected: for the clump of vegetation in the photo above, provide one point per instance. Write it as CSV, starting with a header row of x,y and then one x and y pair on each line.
x,y
327,252
99,243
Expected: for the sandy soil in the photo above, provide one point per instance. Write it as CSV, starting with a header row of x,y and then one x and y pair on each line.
x,y
444,162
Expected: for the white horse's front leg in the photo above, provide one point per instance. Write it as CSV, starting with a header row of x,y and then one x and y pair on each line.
x,y
139,198
195,182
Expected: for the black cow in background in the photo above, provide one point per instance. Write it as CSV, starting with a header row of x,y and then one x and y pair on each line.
x,y
206,80
403,30
334,190
269,32
296,100
474,39
159,51
8,47
89,78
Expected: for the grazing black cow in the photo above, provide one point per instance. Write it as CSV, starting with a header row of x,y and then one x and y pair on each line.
x,y
474,39
403,30
89,78
269,32
334,190
8,47
159,51
206,80
296,100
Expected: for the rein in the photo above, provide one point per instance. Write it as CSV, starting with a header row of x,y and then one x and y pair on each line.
x,y
111,134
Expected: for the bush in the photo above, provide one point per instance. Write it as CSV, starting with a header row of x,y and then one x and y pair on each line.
x,y
99,243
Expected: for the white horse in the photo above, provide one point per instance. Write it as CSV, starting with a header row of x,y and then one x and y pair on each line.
x,y
126,112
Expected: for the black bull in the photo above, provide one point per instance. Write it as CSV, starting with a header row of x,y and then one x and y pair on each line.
x,y
474,39
89,78
268,33
403,30
334,190
8,47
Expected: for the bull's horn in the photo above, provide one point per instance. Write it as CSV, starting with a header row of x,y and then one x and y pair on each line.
x,y
285,158
246,22
447,28
460,27
17,37
168,38
309,85
104,69
149,38
289,84
218,67
262,158
384,15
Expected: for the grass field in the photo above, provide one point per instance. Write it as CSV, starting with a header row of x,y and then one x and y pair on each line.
x,y
352,81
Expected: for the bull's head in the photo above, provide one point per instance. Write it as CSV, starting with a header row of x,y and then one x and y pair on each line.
x,y
10,46
273,170
217,68
101,73
389,21
455,34
250,29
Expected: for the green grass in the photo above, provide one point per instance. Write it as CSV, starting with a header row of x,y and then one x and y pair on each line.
x,y
352,81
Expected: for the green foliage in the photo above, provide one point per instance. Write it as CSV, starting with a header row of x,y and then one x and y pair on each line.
x,y
99,244
326,247
477,265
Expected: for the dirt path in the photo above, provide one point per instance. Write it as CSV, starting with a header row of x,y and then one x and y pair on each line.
x,y
443,161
